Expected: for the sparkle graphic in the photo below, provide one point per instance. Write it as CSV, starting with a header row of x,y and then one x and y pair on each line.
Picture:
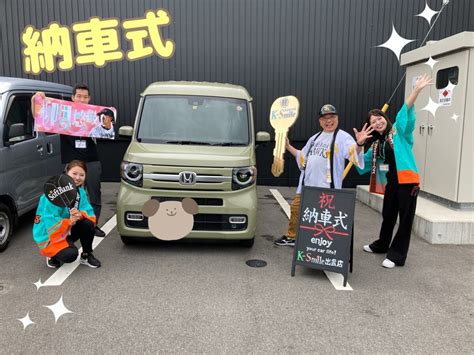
x,y
431,107
58,309
427,14
396,43
38,284
454,117
26,321
431,62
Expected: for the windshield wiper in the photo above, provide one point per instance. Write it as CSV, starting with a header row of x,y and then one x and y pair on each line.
x,y
229,144
187,142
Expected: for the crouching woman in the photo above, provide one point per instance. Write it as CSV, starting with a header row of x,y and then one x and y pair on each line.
x,y
57,228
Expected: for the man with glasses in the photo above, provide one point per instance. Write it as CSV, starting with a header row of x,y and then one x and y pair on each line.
x,y
319,166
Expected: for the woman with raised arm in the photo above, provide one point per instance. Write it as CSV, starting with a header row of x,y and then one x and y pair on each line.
x,y
394,173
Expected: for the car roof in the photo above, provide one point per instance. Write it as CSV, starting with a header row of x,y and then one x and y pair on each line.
x,y
196,88
9,83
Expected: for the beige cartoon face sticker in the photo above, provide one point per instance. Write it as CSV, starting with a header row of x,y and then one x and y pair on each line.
x,y
170,220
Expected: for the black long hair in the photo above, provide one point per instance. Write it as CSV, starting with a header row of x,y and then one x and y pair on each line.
x,y
376,135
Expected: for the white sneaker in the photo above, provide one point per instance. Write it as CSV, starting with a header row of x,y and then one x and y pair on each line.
x,y
367,249
389,264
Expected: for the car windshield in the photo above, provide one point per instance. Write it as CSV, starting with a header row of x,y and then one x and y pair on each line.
x,y
196,120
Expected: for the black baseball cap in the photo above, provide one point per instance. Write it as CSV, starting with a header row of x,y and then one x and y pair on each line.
x,y
107,112
327,109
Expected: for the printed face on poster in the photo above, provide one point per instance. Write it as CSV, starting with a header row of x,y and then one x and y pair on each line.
x,y
74,119
324,232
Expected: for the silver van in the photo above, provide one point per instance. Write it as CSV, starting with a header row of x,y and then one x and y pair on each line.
x,y
27,158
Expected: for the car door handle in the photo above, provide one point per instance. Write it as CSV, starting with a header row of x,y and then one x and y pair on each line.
x,y
49,148
430,129
422,129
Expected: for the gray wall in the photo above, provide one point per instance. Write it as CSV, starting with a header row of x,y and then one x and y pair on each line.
x,y
318,50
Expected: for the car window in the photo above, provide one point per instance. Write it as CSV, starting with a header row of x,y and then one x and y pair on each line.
x,y
66,97
19,111
194,120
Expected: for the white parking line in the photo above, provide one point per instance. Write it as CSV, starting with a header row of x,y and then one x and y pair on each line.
x,y
337,280
65,270
284,205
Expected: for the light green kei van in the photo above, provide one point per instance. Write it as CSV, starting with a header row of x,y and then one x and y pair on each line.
x,y
197,140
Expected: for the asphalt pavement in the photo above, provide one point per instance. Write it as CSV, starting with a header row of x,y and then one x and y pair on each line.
x,y
201,297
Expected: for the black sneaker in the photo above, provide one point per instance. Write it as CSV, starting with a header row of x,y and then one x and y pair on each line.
x,y
285,241
99,232
52,263
90,260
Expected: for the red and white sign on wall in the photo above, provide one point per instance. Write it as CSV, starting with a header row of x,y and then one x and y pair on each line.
x,y
445,97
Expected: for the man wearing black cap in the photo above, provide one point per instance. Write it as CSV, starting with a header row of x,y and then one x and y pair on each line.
x,y
319,166
85,149
105,129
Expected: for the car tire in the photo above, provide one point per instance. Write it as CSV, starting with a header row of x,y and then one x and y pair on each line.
x,y
128,240
247,243
6,226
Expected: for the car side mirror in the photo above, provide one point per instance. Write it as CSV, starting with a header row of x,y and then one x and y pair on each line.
x,y
16,132
263,137
126,131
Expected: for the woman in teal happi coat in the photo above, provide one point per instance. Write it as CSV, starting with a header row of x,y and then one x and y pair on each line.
x,y
392,165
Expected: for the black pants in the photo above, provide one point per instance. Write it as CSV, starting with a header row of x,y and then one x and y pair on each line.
x,y
398,200
83,230
92,184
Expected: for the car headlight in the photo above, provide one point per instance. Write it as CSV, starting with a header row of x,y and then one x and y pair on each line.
x,y
243,177
132,173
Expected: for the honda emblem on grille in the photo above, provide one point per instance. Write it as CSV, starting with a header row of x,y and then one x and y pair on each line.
x,y
187,178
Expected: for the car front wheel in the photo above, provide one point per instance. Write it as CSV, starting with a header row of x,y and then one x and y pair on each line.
x,y
6,226
247,243
128,240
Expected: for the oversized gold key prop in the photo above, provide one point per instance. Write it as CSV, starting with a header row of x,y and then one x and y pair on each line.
x,y
283,115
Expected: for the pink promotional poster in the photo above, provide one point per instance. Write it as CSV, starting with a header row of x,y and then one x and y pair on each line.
x,y
74,119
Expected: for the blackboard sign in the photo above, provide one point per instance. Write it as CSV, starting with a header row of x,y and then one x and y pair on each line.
x,y
324,232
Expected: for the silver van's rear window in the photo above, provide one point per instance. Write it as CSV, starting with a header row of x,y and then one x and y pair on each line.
x,y
194,120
